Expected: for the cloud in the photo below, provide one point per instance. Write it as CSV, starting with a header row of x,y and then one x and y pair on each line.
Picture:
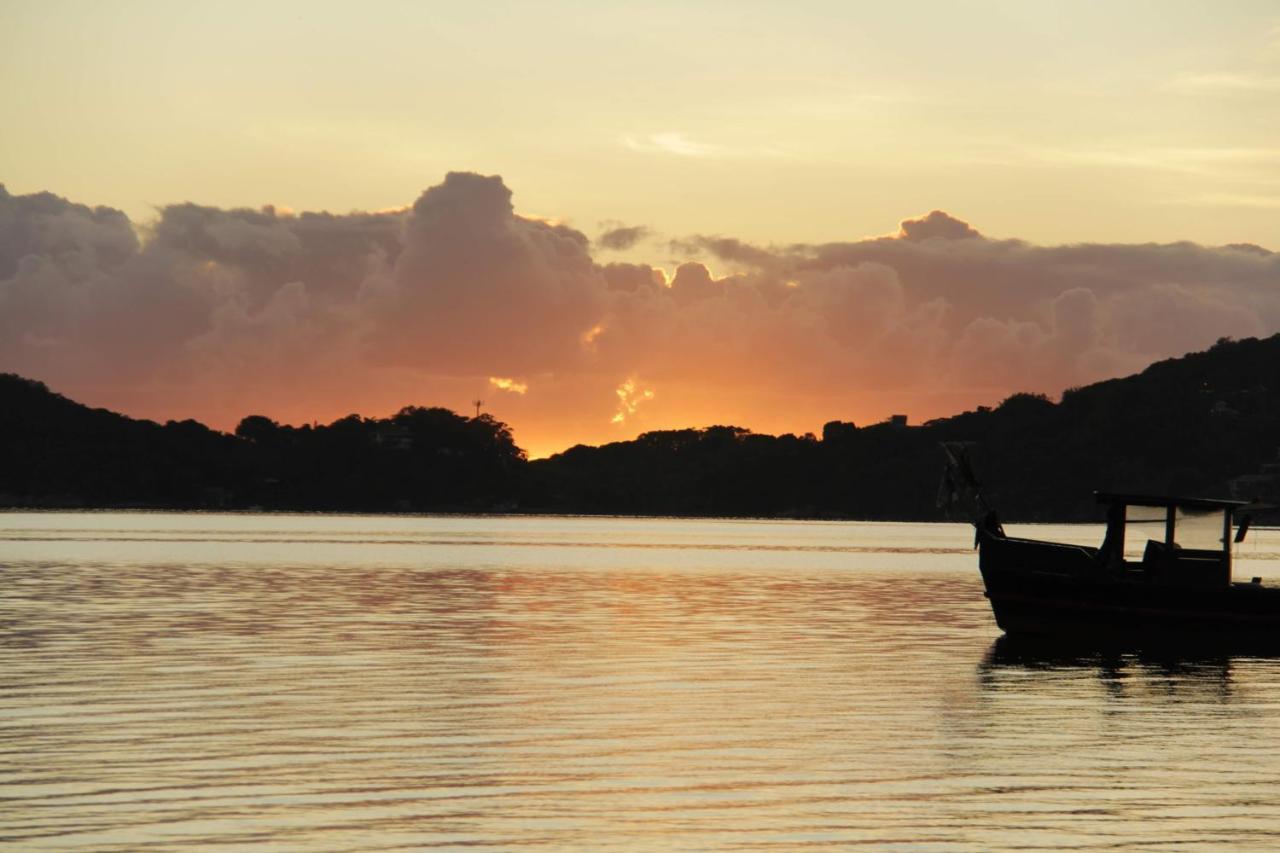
x,y
671,143
935,224
504,384
630,398
622,237
632,277
682,145
478,287
729,249
217,313
693,282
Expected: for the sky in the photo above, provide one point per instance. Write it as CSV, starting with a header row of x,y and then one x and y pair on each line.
x,y
606,218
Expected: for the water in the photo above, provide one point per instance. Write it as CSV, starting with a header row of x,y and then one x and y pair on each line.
x,y
369,683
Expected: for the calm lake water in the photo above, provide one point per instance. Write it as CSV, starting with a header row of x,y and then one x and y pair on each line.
x,y
367,683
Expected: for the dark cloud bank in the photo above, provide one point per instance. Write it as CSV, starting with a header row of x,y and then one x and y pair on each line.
x,y
220,312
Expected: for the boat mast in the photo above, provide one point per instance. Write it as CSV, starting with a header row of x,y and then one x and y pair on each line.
x,y
960,487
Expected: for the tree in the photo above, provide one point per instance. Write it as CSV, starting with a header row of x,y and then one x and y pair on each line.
x,y
258,429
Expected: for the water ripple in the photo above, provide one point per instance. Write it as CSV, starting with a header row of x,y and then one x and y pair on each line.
x,y
579,683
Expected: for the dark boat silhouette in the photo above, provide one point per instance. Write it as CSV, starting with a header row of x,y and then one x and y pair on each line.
x,y
1174,589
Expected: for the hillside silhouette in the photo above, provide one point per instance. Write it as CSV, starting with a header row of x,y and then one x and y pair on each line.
x,y
1186,426
58,453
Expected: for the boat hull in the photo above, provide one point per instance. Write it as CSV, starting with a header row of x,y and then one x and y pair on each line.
x,y
1065,596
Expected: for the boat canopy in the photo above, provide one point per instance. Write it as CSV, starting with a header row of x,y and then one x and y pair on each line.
x,y
1168,502
1191,541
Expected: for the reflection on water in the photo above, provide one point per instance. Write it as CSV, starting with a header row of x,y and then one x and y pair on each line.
x,y
1165,750
369,683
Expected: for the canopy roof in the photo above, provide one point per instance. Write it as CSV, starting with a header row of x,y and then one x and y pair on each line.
x,y
1167,501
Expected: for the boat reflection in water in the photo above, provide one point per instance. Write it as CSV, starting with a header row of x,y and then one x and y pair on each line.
x,y
1207,675
1172,590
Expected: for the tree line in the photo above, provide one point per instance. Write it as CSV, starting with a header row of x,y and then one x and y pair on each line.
x,y
1185,426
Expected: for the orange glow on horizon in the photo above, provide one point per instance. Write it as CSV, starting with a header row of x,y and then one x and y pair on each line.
x,y
544,430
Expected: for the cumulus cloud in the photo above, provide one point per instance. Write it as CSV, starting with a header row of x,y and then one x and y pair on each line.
x,y
477,287
216,313
936,224
633,277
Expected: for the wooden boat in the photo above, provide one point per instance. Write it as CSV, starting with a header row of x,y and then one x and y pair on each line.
x,y
1171,588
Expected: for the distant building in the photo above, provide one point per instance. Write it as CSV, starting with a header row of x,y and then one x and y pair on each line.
x,y
898,421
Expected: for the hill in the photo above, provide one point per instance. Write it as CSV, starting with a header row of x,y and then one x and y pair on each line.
x,y
1184,426
58,453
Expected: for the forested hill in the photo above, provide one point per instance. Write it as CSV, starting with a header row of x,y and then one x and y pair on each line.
x,y
1185,426
58,453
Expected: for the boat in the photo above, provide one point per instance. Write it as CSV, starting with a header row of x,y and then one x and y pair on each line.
x,y
1161,576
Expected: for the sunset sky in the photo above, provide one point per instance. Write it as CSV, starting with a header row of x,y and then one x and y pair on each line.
x,y
608,218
